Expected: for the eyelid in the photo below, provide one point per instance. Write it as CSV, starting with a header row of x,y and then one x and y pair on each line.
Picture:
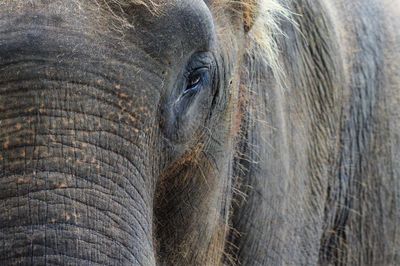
x,y
201,63
197,69
200,60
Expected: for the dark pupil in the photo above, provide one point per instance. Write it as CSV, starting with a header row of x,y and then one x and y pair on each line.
x,y
193,81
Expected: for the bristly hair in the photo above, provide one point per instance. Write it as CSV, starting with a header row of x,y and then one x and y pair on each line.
x,y
262,44
122,10
149,4
262,55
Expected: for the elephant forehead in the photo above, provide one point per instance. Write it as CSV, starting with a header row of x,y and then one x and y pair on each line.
x,y
166,30
181,27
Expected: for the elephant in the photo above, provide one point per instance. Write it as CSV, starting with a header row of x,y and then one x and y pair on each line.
x,y
199,132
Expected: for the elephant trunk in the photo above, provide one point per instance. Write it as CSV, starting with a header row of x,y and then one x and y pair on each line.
x,y
74,186
76,163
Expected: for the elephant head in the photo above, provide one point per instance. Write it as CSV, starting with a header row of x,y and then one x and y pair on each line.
x,y
199,132
118,122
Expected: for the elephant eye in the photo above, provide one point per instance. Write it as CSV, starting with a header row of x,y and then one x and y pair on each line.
x,y
196,79
193,81
189,104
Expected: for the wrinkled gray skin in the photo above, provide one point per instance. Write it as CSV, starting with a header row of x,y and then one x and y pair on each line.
x,y
112,152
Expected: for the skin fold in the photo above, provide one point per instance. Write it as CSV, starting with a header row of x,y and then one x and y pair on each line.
x,y
138,132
